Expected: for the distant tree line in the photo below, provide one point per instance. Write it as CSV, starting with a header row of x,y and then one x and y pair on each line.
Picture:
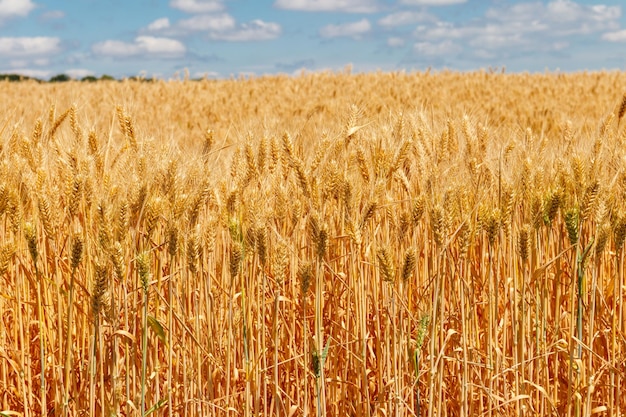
x,y
59,78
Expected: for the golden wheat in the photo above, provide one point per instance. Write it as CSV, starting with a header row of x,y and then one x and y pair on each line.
x,y
330,244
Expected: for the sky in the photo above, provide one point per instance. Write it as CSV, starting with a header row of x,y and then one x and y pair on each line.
x,y
224,38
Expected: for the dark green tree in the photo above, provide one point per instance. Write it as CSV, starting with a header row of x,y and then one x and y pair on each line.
x,y
60,78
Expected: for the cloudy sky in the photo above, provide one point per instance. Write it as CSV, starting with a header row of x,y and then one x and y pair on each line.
x,y
221,38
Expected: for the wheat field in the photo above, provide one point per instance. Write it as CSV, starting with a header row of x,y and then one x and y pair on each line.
x,y
332,244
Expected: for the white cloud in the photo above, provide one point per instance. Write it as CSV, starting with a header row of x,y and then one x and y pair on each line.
x,y
256,30
558,17
436,49
18,63
218,26
208,22
206,74
522,27
353,30
15,8
219,22
499,40
116,48
395,42
617,36
405,18
348,6
197,6
159,24
29,72
29,46
41,62
431,2
27,63
489,36
160,46
570,11
141,46
78,73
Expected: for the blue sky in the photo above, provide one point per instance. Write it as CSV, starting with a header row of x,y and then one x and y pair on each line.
x,y
221,38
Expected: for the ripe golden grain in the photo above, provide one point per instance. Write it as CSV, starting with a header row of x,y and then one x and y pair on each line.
x,y
265,246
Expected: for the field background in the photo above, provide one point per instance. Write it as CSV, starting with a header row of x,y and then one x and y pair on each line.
x,y
330,244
